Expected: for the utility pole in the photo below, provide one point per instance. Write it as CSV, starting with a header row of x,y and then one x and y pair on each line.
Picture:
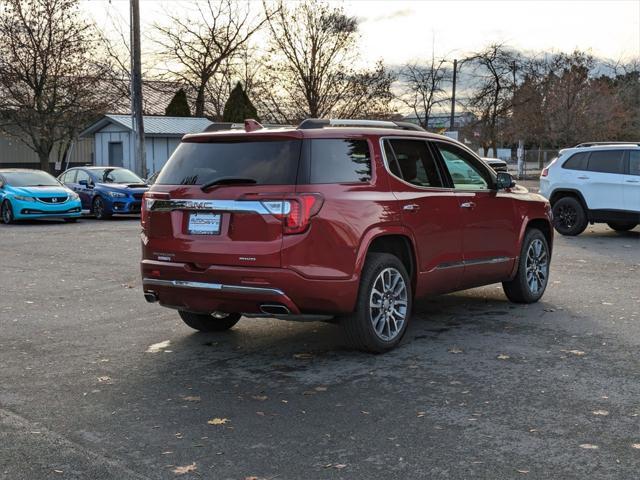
x,y
136,91
453,96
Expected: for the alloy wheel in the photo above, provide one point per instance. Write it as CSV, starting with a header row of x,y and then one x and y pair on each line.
x,y
98,207
537,266
7,216
388,304
567,216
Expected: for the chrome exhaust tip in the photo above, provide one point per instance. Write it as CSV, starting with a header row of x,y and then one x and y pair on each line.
x,y
274,309
151,297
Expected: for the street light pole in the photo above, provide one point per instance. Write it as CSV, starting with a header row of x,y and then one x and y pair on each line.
x,y
139,163
453,95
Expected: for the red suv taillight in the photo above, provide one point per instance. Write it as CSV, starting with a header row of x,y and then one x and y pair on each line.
x,y
147,202
295,211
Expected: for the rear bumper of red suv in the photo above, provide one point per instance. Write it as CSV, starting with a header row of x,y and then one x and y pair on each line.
x,y
244,290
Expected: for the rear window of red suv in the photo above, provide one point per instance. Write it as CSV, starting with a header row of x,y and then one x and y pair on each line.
x,y
272,162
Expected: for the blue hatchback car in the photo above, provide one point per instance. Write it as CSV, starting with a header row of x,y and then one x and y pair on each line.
x,y
28,194
106,191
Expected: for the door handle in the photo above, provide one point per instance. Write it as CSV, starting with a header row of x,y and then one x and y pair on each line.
x,y
467,205
583,177
632,181
412,207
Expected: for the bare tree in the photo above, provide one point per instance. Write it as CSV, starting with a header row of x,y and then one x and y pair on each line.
x,y
494,70
197,48
49,81
421,87
310,69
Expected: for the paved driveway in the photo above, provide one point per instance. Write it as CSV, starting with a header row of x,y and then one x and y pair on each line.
x,y
97,384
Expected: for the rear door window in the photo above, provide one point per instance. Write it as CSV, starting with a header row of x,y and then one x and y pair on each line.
x,y
271,162
69,177
634,162
413,162
608,161
82,175
340,161
577,161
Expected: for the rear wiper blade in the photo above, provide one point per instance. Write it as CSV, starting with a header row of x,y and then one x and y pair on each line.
x,y
227,181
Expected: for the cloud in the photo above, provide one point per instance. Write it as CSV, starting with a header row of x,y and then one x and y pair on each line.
x,y
404,12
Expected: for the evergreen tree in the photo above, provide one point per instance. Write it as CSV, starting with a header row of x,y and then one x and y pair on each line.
x,y
239,107
178,106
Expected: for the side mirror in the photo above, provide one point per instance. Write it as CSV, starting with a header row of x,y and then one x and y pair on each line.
x,y
504,181
84,183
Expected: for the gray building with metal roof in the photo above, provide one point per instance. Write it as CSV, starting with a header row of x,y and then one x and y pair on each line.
x,y
114,140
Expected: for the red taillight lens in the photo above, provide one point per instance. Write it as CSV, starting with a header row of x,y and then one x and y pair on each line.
x,y
147,202
545,172
301,210
295,211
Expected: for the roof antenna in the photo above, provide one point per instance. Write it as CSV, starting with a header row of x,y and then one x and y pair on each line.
x,y
251,125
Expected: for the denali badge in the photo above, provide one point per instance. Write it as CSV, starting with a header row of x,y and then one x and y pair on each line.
x,y
247,259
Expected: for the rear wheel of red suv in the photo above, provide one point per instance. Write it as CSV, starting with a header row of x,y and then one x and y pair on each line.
x,y
214,322
383,307
532,277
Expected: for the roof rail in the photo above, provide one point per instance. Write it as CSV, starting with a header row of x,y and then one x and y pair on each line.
x,y
311,123
598,144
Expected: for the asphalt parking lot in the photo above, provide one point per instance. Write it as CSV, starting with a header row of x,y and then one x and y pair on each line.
x,y
97,384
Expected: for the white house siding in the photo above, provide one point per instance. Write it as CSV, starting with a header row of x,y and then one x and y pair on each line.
x,y
102,140
14,153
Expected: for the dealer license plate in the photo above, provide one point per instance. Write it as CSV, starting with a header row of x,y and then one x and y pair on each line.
x,y
201,223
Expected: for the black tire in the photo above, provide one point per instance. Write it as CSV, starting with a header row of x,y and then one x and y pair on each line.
x,y
359,327
569,216
520,289
70,220
99,210
6,212
205,322
622,226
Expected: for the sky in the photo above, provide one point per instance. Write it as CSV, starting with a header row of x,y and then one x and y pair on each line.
x,y
399,31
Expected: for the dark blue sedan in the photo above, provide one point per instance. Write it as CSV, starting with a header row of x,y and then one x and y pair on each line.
x,y
106,191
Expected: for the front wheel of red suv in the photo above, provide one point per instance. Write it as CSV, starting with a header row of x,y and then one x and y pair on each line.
x,y
214,322
383,307
532,276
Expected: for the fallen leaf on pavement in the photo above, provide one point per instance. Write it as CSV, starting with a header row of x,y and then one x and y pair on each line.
x,y
503,356
522,471
260,398
194,398
589,446
636,446
185,469
104,379
577,353
218,421
302,356
455,350
321,389
601,412
157,347
421,414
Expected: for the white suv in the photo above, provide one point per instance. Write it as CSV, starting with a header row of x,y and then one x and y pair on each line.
x,y
594,183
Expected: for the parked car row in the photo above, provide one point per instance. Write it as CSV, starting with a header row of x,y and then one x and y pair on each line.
x,y
99,191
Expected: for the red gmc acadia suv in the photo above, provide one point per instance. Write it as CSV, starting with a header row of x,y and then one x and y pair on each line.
x,y
345,219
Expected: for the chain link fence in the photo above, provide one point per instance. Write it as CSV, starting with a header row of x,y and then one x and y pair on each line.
x,y
534,160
